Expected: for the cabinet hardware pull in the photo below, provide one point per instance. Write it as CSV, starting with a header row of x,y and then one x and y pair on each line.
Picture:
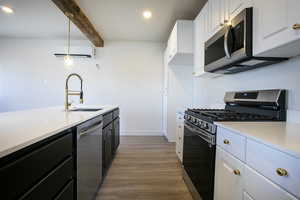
x,y
296,26
226,142
282,172
221,24
237,172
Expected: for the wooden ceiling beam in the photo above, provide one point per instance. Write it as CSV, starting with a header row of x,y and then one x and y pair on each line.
x,y
71,9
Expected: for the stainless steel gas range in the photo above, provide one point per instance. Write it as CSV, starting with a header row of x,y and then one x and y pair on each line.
x,y
200,133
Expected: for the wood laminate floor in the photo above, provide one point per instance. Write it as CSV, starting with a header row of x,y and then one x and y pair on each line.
x,y
145,168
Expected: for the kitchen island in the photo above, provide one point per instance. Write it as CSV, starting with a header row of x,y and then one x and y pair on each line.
x,y
47,153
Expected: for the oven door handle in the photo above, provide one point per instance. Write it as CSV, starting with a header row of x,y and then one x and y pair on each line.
x,y
207,137
226,48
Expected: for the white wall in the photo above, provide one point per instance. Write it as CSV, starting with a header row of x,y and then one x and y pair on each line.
x,y
130,75
210,92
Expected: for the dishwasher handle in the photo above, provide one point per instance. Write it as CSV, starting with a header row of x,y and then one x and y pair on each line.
x,y
90,129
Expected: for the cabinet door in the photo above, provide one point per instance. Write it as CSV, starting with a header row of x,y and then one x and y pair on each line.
x,y
117,133
236,6
172,43
200,28
229,177
218,13
108,145
215,15
273,24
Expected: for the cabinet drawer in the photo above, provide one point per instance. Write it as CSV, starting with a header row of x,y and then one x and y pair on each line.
x,y
231,142
229,176
116,113
260,188
107,118
267,161
32,167
67,193
50,186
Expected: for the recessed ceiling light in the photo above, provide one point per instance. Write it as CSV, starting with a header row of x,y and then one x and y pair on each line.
x,y
147,14
7,9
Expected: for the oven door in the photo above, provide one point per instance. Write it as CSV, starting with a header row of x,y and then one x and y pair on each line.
x,y
199,159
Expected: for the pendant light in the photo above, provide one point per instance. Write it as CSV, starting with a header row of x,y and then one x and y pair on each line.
x,y
68,59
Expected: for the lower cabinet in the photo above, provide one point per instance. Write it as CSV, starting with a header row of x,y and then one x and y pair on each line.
x,y
179,136
116,131
107,153
260,188
229,177
67,193
266,173
40,171
111,138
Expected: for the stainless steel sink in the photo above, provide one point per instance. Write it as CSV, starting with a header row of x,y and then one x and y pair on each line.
x,y
85,109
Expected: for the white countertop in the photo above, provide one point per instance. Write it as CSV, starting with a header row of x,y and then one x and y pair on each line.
x,y
23,128
280,135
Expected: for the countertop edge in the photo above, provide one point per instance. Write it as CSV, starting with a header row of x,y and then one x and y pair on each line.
x,y
18,147
274,146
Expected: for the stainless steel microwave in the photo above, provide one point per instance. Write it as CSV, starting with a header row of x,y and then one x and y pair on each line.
x,y
230,50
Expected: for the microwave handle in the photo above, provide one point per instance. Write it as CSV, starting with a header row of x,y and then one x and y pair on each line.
x,y
226,49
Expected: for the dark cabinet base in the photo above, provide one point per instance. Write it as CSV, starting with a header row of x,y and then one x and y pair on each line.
x,y
111,138
38,171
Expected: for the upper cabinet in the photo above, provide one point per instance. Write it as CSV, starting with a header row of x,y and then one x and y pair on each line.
x,y
201,35
276,28
218,15
180,48
236,6
222,11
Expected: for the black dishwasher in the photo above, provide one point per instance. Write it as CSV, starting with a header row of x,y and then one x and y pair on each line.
x,y
89,158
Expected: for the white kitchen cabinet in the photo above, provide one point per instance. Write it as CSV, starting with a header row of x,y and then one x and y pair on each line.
x,y
218,15
266,173
260,188
268,161
229,177
273,24
181,43
236,6
200,34
179,135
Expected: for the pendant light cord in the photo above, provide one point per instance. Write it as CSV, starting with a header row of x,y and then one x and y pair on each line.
x,y
69,33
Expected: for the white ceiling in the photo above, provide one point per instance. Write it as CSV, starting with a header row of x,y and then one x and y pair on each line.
x,y
113,19
35,19
122,19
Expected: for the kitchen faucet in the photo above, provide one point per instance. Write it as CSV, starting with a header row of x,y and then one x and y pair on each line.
x,y
73,93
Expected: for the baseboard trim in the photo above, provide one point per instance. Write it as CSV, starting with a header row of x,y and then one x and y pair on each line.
x,y
142,133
